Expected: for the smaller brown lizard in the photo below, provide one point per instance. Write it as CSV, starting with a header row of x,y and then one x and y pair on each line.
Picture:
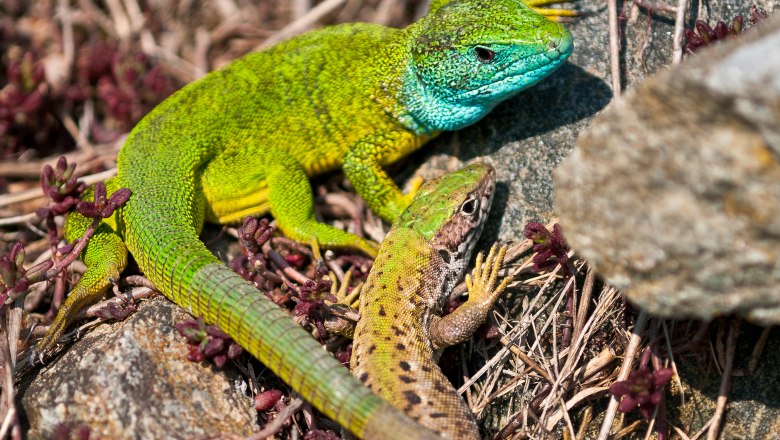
x,y
401,332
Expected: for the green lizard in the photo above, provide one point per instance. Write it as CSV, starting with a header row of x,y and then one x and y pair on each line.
x,y
243,140
401,331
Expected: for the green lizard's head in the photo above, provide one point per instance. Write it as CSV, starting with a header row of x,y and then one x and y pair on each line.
x,y
450,212
470,55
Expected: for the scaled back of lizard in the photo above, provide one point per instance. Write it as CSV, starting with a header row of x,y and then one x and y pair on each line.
x,y
243,140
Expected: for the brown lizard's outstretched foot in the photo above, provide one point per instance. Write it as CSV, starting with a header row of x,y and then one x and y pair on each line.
x,y
482,281
463,322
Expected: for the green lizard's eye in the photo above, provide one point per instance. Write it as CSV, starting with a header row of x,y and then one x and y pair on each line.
x,y
484,54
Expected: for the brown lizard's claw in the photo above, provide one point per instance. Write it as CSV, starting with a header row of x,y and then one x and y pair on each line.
x,y
481,282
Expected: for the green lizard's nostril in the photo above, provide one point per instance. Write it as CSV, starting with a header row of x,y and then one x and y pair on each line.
x,y
561,42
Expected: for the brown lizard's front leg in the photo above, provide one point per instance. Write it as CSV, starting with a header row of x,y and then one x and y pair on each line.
x,y
464,321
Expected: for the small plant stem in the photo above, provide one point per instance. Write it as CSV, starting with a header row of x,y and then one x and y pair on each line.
x,y
10,420
673,363
679,27
284,266
19,219
58,297
276,424
725,384
569,321
653,7
582,309
32,194
526,359
614,47
138,280
758,349
625,369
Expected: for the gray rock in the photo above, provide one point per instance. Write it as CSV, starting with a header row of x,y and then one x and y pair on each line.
x,y
131,380
674,193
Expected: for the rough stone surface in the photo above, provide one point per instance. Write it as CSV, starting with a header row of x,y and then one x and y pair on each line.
x,y
674,193
131,380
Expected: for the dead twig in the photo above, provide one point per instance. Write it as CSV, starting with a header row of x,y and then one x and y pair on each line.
x,y
32,169
625,369
384,12
10,334
614,48
527,359
758,349
275,425
679,27
303,23
655,7
725,384
32,194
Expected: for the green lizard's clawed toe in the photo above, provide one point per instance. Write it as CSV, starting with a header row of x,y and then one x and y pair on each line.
x,y
553,14
244,140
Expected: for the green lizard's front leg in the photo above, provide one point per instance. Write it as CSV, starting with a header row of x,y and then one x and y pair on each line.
x,y
363,167
461,324
291,200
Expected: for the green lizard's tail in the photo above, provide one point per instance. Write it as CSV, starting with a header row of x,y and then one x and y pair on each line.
x,y
171,255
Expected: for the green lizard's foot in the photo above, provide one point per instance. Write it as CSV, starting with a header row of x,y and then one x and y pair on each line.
x,y
552,14
393,209
328,237
87,292
105,257
482,281
415,184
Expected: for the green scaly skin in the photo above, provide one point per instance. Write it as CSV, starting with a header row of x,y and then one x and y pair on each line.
x,y
401,331
243,140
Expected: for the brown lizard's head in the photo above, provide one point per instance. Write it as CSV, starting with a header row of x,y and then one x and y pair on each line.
x,y
450,212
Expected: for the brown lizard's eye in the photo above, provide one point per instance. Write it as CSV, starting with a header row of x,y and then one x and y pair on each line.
x,y
469,207
484,54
